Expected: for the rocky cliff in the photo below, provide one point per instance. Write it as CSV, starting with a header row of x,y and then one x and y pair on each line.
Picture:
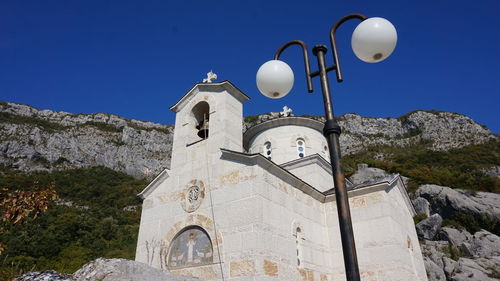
x,y
442,130
32,139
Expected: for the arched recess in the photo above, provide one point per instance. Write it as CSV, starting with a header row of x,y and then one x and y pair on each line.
x,y
193,220
268,148
201,119
190,247
325,151
301,147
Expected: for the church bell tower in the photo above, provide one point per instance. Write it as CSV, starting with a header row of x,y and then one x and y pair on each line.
x,y
208,117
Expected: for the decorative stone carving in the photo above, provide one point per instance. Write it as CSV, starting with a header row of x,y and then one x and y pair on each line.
x,y
193,196
210,77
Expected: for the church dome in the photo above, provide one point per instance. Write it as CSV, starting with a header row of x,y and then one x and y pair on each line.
x,y
285,139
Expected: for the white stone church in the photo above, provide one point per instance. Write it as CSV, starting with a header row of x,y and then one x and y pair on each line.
x,y
259,204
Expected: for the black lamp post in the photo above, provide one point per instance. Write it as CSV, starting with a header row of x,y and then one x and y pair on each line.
x,y
373,40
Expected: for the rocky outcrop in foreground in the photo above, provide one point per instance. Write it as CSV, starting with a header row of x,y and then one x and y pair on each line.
x,y
455,254
108,270
447,201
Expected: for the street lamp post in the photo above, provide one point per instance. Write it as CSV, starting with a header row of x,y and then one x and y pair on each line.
x,y
373,40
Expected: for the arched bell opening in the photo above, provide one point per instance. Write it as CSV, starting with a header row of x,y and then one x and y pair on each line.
x,y
201,114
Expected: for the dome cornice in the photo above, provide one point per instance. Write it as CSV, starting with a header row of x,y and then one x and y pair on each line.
x,y
278,122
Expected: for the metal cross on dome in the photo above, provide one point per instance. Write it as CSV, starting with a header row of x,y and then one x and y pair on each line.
x,y
287,111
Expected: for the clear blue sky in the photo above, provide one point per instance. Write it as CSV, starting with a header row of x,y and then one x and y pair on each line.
x,y
137,58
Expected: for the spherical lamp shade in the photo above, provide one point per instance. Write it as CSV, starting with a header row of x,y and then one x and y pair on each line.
x,y
374,39
275,79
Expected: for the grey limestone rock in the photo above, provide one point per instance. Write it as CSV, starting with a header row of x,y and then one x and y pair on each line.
x,y
366,174
481,263
434,271
108,270
124,270
48,275
454,236
445,129
466,249
422,206
485,244
433,251
429,227
446,201
449,266
468,270
45,140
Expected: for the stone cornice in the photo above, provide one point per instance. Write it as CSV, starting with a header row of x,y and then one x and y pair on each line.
x,y
283,121
210,87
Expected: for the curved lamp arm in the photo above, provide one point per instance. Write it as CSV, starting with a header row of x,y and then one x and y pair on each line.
x,y
334,43
306,60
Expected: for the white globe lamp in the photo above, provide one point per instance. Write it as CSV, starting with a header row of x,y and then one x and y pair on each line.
x,y
275,79
374,39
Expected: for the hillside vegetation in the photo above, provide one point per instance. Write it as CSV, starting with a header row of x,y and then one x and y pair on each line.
x,y
89,219
462,168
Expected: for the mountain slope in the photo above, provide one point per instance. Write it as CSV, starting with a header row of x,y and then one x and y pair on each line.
x,y
32,139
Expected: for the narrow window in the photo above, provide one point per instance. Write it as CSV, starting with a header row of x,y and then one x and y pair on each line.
x,y
267,149
301,148
299,247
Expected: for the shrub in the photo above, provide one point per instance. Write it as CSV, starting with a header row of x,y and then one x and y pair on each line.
x,y
418,218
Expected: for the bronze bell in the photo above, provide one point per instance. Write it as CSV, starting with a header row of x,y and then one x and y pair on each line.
x,y
203,130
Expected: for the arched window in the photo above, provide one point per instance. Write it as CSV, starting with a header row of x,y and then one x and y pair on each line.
x,y
267,149
190,247
299,238
201,114
301,147
325,151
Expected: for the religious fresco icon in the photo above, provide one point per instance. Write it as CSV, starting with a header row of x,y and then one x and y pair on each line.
x,y
191,247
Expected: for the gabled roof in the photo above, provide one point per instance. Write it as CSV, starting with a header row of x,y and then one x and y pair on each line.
x,y
327,196
385,183
311,160
210,87
154,184
273,168
308,160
